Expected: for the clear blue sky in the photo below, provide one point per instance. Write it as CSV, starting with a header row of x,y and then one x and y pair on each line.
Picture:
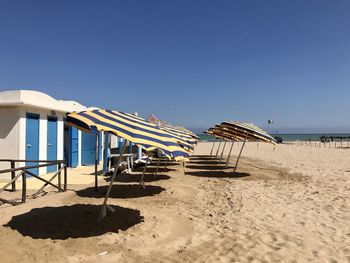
x,y
193,63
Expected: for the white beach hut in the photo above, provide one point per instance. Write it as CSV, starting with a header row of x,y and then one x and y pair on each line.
x,y
32,128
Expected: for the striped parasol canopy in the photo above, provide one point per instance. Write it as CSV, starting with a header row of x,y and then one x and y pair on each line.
x,y
217,133
131,128
246,131
164,124
238,131
183,134
186,138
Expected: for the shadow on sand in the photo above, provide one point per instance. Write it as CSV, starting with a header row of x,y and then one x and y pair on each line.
x,y
208,162
135,178
209,167
153,169
74,221
203,157
121,191
217,174
100,172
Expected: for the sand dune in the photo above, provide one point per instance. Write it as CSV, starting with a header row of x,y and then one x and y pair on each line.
x,y
291,204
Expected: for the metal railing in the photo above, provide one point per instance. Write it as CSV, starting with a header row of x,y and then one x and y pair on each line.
x,y
24,171
337,144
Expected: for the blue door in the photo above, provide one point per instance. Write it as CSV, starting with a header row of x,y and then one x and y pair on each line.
x,y
32,140
88,146
120,145
73,142
51,142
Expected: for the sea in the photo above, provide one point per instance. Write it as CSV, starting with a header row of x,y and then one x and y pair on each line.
x,y
287,137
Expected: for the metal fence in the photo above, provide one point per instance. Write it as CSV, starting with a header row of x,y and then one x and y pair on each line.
x,y
341,143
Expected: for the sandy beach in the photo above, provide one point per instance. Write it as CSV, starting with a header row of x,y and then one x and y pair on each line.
x,y
92,88
286,203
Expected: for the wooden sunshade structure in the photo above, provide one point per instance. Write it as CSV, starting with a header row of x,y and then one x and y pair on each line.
x,y
239,131
133,129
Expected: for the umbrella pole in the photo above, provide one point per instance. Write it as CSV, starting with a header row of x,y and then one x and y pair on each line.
x,y
184,166
223,149
104,205
239,156
229,155
142,182
217,152
157,167
96,162
212,148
